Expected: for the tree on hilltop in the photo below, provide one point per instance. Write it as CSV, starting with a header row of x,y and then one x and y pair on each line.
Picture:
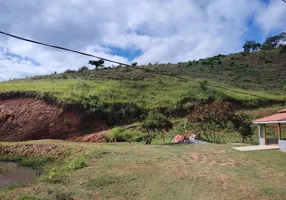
x,y
97,64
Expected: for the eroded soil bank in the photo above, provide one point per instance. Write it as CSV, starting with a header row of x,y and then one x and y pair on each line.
x,y
23,119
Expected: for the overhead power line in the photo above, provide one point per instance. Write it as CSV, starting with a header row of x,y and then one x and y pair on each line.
x,y
62,48
82,53
284,1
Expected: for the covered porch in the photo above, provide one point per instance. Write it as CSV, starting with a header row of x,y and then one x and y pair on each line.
x,y
270,130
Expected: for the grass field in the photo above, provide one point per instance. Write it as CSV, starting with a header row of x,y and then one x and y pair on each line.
x,y
135,171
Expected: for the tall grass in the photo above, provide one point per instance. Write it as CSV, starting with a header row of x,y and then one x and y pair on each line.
x,y
147,94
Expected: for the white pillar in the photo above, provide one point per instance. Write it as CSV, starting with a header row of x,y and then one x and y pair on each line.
x,y
259,131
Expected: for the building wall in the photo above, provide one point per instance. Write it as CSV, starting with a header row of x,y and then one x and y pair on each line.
x,y
282,145
268,141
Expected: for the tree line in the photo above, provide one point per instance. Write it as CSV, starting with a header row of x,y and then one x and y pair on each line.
x,y
278,41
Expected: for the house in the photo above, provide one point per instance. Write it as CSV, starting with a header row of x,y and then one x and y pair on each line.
x,y
276,120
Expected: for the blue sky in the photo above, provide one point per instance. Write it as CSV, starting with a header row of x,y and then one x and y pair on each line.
x,y
127,31
130,54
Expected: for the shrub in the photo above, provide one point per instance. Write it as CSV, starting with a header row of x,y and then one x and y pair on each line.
x,y
243,125
77,163
64,76
68,71
121,134
214,120
244,53
153,125
82,69
189,64
134,64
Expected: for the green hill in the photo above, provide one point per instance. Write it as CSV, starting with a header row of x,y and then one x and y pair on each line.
x,y
248,79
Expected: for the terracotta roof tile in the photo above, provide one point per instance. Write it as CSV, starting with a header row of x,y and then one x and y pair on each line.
x,y
281,116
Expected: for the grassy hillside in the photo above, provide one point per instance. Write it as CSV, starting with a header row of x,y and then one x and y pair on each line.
x,y
263,70
249,79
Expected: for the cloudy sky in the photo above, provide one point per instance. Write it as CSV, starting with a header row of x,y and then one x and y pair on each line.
x,y
129,30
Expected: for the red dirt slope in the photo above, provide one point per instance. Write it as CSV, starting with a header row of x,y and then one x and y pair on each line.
x,y
29,119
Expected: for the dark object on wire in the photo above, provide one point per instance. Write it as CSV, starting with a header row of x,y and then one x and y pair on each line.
x,y
62,48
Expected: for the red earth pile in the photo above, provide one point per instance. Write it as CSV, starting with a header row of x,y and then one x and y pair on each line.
x,y
31,119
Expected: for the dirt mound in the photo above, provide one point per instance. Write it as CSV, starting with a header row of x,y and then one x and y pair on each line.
x,y
30,119
93,137
32,149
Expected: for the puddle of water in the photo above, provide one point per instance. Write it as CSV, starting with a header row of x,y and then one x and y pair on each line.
x,y
11,173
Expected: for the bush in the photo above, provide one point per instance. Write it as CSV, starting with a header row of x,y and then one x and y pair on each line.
x,y
69,71
244,53
216,119
82,69
121,134
153,125
64,76
134,64
78,163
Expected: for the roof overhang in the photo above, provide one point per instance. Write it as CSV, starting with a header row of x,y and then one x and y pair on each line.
x,y
277,118
269,122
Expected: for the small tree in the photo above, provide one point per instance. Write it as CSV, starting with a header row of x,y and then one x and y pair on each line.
x,y
134,64
97,64
273,41
247,46
153,125
214,120
243,125
256,47
251,46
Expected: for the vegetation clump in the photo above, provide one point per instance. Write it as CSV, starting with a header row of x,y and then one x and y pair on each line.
x,y
216,119
121,134
153,125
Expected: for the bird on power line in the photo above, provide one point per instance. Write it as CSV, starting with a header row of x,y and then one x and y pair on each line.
x,y
62,48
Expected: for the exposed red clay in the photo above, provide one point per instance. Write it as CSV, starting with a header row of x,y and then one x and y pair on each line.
x,y
31,119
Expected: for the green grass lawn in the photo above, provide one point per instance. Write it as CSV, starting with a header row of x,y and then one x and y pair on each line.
x,y
135,171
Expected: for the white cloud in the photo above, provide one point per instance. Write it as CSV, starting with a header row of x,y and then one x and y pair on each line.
x,y
163,30
272,16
